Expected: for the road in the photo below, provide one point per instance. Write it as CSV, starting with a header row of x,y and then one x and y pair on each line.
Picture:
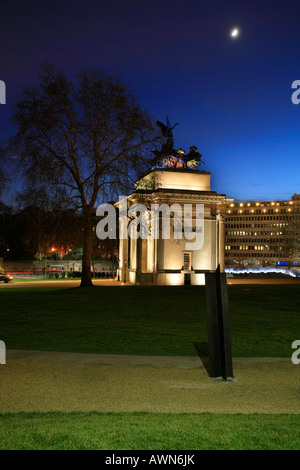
x,y
59,283
111,282
287,280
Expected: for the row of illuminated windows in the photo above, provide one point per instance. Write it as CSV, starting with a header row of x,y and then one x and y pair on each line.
x,y
255,240
251,234
258,219
260,212
252,248
257,255
255,225
261,204
268,226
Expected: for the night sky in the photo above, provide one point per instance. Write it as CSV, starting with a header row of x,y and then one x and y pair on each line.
x,y
232,97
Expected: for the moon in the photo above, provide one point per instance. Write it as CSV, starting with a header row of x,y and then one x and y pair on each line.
x,y
234,32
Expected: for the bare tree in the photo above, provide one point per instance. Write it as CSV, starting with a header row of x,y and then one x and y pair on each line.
x,y
4,177
87,135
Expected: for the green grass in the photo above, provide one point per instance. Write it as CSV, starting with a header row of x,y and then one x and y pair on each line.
x,y
148,431
264,319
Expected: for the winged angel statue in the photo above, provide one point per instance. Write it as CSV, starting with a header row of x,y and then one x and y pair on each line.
x,y
169,157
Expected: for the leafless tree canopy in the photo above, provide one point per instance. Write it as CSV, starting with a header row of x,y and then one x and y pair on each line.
x,y
4,178
88,136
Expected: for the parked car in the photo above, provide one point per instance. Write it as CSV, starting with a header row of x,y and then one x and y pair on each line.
x,y
5,276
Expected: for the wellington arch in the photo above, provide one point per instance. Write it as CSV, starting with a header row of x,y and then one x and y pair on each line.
x,y
167,261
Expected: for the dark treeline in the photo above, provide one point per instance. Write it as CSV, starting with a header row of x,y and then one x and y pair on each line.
x,y
34,232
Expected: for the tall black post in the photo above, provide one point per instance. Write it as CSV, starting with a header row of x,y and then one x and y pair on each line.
x,y
219,342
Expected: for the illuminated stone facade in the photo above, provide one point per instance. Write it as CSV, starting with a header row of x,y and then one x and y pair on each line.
x,y
167,261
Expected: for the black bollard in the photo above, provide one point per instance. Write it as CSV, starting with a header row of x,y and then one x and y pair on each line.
x,y
219,342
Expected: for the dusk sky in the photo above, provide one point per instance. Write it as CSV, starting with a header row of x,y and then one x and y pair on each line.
x,y
231,96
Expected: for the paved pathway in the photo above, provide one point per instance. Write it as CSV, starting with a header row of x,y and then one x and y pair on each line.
x,y
53,381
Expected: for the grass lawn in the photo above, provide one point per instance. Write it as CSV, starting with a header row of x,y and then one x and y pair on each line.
x,y
148,431
264,322
264,319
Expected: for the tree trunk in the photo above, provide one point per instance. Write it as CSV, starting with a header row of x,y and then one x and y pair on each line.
x,y
86,278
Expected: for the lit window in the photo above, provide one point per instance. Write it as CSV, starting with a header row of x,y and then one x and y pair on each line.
x,y
187,261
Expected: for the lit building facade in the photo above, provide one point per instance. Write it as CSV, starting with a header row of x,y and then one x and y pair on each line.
x,y
262,233
159,261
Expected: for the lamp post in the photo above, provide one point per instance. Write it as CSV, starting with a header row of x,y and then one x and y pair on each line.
x,y
45,265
